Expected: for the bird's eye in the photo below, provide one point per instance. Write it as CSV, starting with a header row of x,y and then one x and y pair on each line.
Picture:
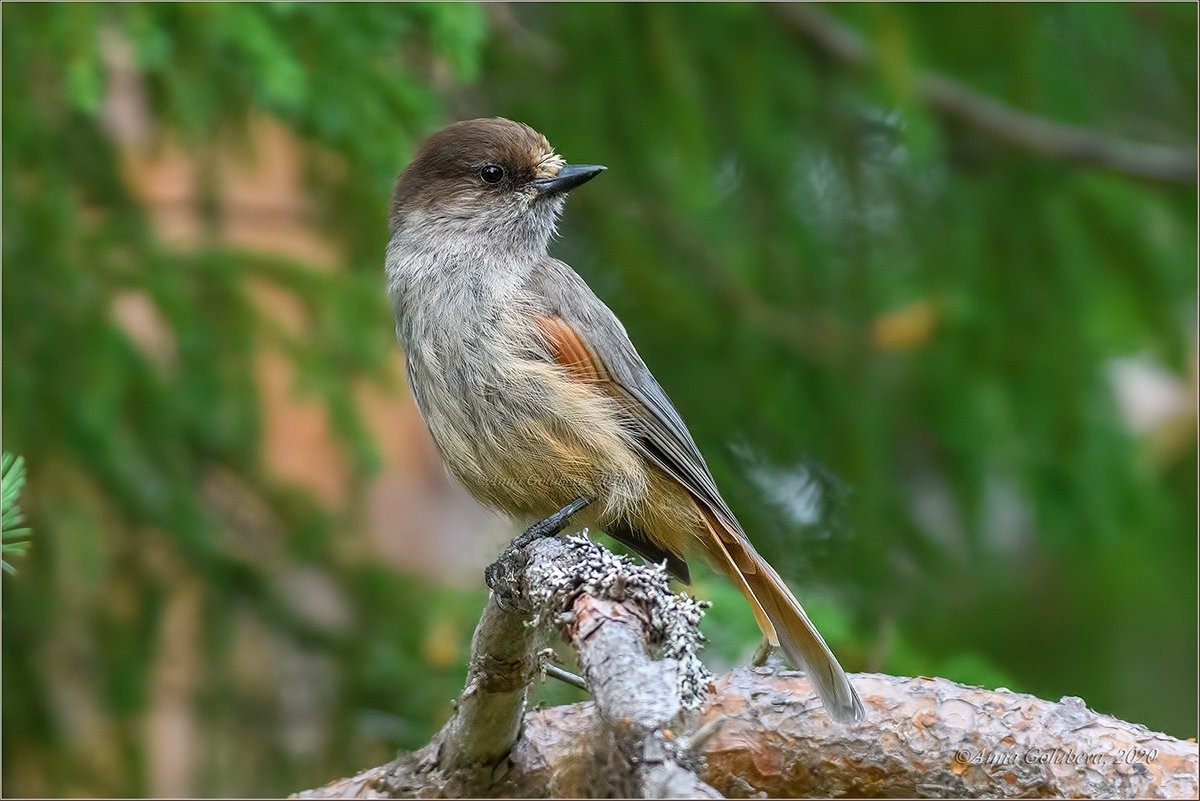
x,y
491,174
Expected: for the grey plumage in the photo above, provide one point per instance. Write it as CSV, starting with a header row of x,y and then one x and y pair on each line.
x,y
531,389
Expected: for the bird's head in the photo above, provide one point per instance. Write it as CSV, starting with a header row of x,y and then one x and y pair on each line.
x,y
491,178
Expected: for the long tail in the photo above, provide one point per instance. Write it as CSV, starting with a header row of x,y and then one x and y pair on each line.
x,y
782,619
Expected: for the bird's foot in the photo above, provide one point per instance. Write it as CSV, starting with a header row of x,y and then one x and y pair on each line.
x,y
765,653
551,526
499,574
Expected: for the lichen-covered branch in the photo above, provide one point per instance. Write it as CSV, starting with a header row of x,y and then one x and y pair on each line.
x,y
636,641
637,699
660,727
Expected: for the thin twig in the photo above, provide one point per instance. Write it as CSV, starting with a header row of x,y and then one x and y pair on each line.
x,y
565,676
696,740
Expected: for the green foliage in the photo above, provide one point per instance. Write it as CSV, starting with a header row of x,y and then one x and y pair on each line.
x,y
15,536
891,336
764,220
130,442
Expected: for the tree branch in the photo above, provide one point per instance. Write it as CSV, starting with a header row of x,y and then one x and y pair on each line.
x,y
469,753
956,100
756,731
637,699
923,738
615,614
933,738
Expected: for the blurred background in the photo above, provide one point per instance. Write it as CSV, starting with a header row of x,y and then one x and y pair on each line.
x,y
941,356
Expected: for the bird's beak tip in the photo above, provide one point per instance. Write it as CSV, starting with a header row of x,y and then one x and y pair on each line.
x,y
569,177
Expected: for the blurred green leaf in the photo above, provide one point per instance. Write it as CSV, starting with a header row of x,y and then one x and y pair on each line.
x,y
15,536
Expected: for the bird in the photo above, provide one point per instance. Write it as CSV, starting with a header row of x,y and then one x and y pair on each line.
x,y
532,392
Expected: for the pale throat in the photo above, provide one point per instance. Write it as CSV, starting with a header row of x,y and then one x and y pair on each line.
x,y
448,271
519,229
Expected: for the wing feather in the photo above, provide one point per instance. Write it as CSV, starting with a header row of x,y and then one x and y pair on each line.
x,y
578,328
570,306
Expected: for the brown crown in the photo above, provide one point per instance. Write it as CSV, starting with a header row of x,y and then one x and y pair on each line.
x,y
449,161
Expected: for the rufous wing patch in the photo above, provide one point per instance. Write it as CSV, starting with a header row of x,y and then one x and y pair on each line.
x,y
571,351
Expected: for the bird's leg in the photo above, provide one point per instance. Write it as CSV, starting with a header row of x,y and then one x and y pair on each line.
x,y
504,567
550,526
763,653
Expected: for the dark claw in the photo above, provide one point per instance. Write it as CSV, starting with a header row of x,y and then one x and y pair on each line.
x,y
491,574
548,527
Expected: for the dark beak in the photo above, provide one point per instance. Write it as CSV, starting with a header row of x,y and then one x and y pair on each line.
x,y
569,177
